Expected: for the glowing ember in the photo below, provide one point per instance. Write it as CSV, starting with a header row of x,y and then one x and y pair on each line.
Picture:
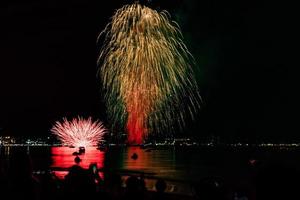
x,y
146,71
79,132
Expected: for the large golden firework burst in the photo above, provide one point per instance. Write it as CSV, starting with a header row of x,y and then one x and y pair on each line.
x,y
146,72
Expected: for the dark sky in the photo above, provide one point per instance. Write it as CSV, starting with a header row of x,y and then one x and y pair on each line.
x,y
243,51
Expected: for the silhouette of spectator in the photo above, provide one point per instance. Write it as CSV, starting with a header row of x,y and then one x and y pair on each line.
x,y
94,173
134,189
160,187
78,184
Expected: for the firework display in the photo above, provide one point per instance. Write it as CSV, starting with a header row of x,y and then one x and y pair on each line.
x,y
79,132
146,72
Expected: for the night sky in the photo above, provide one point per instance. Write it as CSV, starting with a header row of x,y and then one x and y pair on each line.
x,y
242,49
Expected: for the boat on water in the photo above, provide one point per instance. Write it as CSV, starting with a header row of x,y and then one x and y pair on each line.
x,y
134,156
81,150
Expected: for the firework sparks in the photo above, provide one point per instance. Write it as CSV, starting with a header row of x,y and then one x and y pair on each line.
x,y
146,71
79,132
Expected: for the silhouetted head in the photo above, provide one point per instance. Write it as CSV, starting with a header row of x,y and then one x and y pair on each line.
x,y
132,183
160,185
75,172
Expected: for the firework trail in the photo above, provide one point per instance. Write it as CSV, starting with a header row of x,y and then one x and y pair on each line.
x,y
146,71
79,132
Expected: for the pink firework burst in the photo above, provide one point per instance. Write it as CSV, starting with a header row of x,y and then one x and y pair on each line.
x,y
79,132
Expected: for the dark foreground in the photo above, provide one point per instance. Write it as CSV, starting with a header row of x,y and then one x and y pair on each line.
x,y
265,179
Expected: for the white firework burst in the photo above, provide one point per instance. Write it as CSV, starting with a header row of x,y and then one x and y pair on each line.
x,y
79,132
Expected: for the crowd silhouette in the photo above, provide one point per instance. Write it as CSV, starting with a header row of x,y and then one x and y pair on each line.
x,y
17,181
